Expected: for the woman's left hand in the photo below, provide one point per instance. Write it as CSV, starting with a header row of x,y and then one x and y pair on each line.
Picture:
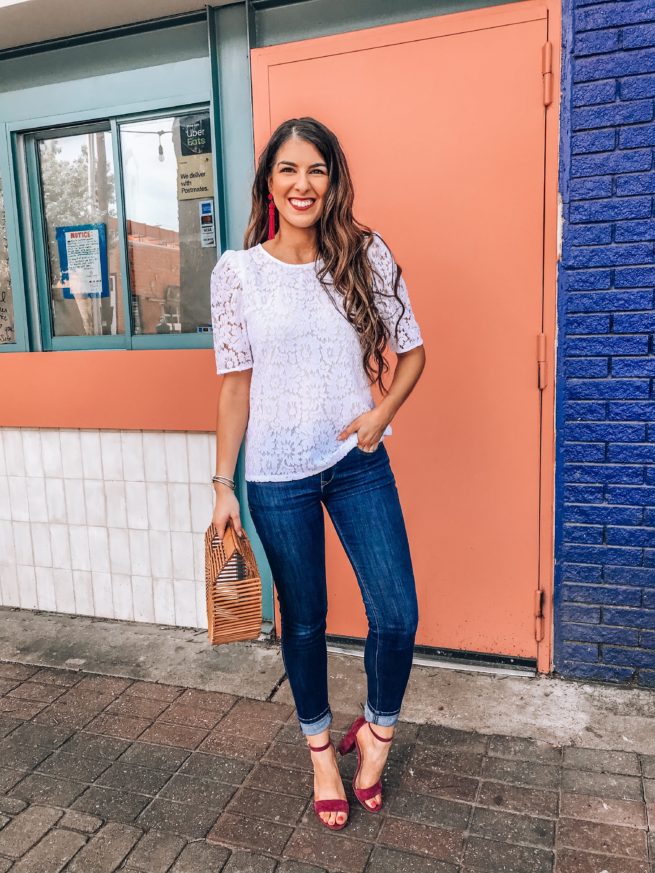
x,y
369,427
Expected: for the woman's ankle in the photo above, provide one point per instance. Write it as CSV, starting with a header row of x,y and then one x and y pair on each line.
x,y
382,733
317,741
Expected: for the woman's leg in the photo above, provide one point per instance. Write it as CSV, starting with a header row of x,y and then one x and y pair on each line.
x,y
363,503
288,517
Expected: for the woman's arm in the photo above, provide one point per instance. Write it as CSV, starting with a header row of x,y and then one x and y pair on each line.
x,y
371,425
407,373
233,411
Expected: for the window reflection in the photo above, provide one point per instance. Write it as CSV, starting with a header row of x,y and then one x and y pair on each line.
x,y
7,334
169,207
77,183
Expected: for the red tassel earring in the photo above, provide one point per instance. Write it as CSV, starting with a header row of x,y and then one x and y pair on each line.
x,y
271,217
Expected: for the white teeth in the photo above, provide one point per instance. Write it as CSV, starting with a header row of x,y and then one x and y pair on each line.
x,y
301,202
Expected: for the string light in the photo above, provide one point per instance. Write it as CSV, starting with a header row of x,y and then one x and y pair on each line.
x,y
159,133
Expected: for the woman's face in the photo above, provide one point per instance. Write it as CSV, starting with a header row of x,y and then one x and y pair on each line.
x,y
298,182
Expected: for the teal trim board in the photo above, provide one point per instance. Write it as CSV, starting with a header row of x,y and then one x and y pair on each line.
x,y
41,316
107,53
20,187
232,101
278,21
21,341
144,37
215,132
122,227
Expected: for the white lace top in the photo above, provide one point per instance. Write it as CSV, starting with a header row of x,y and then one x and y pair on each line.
x,y
308,381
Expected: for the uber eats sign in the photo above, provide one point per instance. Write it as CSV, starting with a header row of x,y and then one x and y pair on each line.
x,y
195,176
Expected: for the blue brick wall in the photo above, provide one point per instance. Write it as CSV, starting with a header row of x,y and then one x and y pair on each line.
x,y
605,446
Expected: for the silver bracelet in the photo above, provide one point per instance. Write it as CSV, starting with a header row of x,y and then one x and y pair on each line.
x,y
224,480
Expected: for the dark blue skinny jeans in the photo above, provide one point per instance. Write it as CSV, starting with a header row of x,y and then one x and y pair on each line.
x,y
361,498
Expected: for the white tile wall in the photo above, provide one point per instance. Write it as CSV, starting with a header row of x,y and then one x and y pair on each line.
x,y
9,584
102,594
41,544
136,503
45,588
23,543
36,499
27,591
143,600
83,592
51,452
74,497
33,452
55,499
95,501
105,523
71,453
162,592
132,453
61,550
5,512
157,506
64,591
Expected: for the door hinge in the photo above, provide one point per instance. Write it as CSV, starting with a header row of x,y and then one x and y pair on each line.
x,y
542,374
539,614
547,72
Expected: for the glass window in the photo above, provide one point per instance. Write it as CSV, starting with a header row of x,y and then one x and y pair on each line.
x,y
79,204
169,212
6,302
163,247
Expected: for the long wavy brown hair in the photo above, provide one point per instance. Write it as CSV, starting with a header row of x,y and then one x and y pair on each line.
x,y
342,240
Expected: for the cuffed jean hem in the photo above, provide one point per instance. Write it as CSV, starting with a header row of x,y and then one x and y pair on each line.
x,y
315,727
385,720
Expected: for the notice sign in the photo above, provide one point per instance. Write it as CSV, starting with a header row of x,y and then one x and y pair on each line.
x,y
195,177
83,260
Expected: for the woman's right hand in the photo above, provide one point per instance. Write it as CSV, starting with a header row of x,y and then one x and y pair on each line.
x,y
226,506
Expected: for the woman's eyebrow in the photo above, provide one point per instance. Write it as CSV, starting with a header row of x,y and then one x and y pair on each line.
x,y
317,164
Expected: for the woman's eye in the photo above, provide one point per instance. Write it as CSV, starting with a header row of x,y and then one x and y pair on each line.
x,y
315,170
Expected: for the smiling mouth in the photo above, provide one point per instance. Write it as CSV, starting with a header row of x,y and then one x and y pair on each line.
x,y
301,204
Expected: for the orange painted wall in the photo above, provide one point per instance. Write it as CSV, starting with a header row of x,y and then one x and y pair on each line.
x,y
172,389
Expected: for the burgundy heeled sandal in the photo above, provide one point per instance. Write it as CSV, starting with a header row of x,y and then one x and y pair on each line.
x,y
332,804
347,744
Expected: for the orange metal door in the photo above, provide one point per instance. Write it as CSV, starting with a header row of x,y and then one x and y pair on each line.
x,y
442,121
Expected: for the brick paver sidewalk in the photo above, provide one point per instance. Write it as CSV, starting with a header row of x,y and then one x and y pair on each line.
x,y
100,774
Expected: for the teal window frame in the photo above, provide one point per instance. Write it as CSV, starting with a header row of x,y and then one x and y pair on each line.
x,y
21,334
35,214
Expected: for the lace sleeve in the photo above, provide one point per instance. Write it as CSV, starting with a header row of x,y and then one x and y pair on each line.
x,y
409,333
231,343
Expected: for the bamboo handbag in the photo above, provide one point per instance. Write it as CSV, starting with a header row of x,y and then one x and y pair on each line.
x,y
233,585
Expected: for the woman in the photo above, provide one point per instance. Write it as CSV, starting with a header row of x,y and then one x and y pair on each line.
x,y
301,317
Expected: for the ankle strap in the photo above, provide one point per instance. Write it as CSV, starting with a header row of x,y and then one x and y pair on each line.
x,y
379,737
320,748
